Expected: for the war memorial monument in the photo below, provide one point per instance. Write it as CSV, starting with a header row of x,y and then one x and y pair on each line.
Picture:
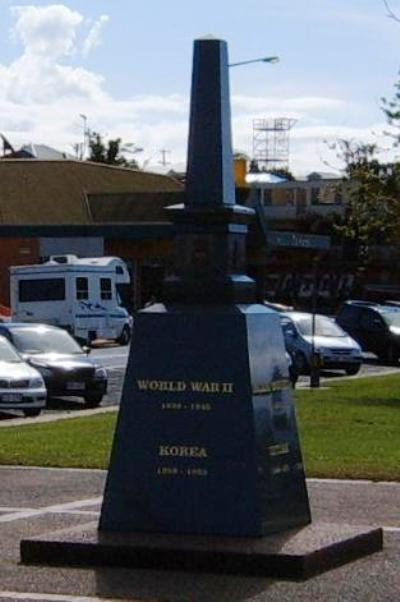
x,y
206,471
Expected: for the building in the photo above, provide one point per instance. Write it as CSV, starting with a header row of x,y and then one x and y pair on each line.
x,y
67,206
290,201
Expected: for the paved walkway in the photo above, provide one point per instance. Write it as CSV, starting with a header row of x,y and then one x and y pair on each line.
x,y
34,501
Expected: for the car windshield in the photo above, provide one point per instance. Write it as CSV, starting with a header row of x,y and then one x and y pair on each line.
x,y
8,353
44,340
324,327
392,318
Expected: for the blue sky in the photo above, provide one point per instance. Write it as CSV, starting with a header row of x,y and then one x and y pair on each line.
x,y
126,65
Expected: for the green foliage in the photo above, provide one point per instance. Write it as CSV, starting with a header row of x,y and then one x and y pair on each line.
x,y
391,109
372,196
110,152
282,172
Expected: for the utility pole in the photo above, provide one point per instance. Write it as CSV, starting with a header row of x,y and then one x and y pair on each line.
x,y
315,354
164,152
85,137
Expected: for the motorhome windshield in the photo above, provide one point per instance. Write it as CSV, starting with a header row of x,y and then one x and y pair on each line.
x,y
44,340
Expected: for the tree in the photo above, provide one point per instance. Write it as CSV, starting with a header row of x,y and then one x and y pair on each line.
x,y
372,197
282,172
110,152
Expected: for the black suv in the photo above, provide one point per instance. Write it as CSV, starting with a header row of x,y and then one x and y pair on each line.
x,y
376,327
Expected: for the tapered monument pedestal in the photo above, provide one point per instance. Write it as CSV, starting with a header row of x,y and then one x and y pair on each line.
x,y
206,440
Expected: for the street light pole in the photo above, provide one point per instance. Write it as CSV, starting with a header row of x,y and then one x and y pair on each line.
x,y
315,355
265,59
85,136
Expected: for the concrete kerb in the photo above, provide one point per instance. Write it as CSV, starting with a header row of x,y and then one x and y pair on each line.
x,y
59,416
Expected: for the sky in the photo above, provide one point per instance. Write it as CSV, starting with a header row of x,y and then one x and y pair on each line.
x,y
126,67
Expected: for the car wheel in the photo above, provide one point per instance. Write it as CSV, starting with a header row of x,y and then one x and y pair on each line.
x,y
93,399
125,336
301,363
351,370
32,412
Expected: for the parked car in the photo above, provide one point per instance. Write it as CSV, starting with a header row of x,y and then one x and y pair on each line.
x,y
335,348
21,386
65,366
375,326
293,373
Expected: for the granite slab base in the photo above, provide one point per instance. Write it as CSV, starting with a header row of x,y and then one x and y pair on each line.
x,y
294,554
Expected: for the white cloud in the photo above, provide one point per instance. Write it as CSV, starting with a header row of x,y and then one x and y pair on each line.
x,y
93,38
46,31
48,35
42,96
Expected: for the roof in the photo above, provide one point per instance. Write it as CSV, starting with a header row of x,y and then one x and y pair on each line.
x,y
264,177
42,151
56,192
132,207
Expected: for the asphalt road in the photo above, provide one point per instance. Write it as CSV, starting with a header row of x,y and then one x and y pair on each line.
x,y
114,359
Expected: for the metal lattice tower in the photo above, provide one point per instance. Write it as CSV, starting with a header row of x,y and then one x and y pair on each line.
x,y
271,142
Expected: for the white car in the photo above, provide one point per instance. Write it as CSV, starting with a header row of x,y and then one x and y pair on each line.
x,y
335,348
21,386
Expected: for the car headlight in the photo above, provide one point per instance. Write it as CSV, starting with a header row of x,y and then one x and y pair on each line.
x,y
36,383
100,373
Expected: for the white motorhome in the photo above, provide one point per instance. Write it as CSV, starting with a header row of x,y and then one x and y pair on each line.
x,y
79,294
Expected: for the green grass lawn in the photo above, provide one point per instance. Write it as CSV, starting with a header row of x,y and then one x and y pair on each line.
x,y
350,430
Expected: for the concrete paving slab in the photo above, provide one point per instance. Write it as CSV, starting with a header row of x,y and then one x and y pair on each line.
x,y
293,554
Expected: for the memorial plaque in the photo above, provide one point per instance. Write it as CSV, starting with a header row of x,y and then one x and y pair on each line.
x,y
206,440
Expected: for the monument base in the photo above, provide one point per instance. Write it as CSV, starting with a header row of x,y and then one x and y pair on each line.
x,y
294,554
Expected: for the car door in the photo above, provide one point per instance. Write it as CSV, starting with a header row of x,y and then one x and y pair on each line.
x,y
349,319
373,331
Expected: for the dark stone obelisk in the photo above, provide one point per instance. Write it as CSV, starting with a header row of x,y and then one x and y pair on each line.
x,y
206,440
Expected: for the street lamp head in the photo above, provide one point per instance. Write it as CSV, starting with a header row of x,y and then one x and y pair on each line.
x,y
265,59
270,59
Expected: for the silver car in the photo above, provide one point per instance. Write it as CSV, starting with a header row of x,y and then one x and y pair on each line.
x,y
335,349
21,386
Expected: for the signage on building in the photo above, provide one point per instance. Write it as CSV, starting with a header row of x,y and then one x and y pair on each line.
x,y
295,239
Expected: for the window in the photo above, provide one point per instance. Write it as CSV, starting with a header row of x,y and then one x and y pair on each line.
x,y
289,194
267,196
105,289
315,200
371,321
82,288
349,315
45,289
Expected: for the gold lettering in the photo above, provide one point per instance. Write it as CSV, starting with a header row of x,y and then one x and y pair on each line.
x,y
183,451
211,387
172,386
276,385
178,386
279,449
